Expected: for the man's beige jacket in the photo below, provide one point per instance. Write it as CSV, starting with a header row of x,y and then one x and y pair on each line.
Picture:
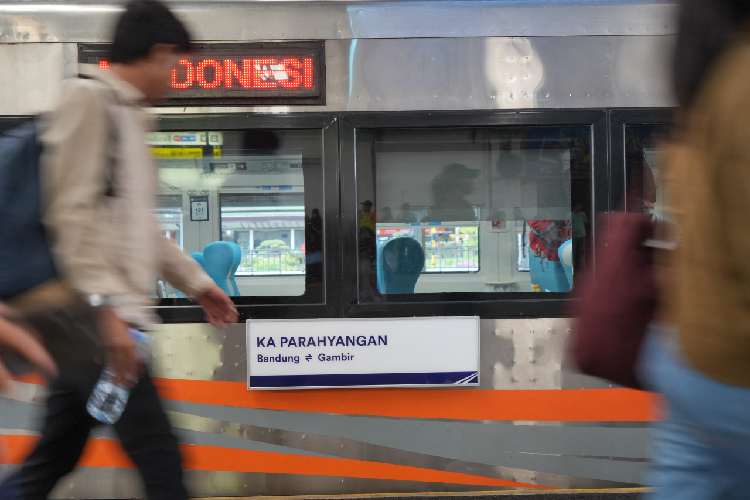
x,y
109,245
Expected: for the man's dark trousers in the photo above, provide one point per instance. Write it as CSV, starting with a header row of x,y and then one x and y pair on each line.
x,y
143,428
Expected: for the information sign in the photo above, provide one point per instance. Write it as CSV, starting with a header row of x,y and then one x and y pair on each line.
x,y
252,73
183,139
199,208
371,352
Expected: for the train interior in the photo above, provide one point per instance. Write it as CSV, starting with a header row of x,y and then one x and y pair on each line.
x,y
241,187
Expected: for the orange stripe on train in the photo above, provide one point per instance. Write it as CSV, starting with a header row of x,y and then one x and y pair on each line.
x,y
108,453
571,405
576,405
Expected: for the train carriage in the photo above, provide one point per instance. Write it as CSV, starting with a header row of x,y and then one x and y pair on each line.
x,y
372,162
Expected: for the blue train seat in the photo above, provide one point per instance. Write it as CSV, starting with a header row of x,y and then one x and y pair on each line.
x,y
218,258
566,257
399,265
198,257
237,253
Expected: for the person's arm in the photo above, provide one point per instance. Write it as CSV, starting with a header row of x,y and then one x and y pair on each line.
x,y
15,338
180,270
185,274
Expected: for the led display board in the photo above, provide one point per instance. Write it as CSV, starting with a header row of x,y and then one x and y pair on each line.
x,y
240,74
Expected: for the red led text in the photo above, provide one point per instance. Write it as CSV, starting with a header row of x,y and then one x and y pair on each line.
x,y
248,73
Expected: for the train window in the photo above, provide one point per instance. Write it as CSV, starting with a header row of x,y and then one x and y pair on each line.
x,y
486,209
647,187
246,189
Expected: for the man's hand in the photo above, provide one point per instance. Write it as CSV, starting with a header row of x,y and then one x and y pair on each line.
x,y
17,339
119,349
220,310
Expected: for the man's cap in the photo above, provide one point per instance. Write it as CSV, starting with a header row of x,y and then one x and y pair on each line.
x,y
366,202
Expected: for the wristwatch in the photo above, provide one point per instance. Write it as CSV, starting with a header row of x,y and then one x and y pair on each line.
x,y
100,300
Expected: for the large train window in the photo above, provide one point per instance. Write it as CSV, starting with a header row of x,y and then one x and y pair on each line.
x,y
244,191
472,209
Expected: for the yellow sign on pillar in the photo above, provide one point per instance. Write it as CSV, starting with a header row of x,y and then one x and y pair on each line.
x,y
177,152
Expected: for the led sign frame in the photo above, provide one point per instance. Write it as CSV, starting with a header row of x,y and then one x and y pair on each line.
x,y
240,74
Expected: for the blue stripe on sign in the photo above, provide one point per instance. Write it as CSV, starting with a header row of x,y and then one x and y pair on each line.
x,y
446,378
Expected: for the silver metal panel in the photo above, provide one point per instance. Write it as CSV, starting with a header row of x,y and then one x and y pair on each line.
x,y
515,354
561,451
231,484
197,351
31,77
420,74
488,74
70,61
509,73
88,21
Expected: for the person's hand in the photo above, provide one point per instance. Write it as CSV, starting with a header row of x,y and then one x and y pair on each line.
x,y
7,311
119,349
220,310
17,339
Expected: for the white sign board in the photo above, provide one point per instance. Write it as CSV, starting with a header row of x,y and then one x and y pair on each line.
x,y
199,208
366,352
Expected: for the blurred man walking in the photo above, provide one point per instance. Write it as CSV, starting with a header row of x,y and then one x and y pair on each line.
x,y
99,184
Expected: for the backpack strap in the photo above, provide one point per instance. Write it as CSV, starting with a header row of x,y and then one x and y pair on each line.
x,y
113,138
112,149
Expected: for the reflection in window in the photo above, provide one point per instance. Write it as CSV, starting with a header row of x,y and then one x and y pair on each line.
x,y
522,245
269,229
245,191
493,209
447,249
169,215
647,182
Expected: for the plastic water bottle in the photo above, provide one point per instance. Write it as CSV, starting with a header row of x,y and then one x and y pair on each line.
x,y
108,399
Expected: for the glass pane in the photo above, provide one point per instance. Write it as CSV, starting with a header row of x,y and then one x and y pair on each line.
x,y
485,209
169,214
647,182
245,190
270,230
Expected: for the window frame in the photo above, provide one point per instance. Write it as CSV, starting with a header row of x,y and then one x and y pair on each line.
x,y
268,307
488,305
619,119
340,204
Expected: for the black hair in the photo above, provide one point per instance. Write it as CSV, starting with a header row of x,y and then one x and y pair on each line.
x,y
144,24
706,29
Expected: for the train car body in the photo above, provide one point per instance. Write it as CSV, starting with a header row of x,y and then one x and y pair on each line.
x,y
472,128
